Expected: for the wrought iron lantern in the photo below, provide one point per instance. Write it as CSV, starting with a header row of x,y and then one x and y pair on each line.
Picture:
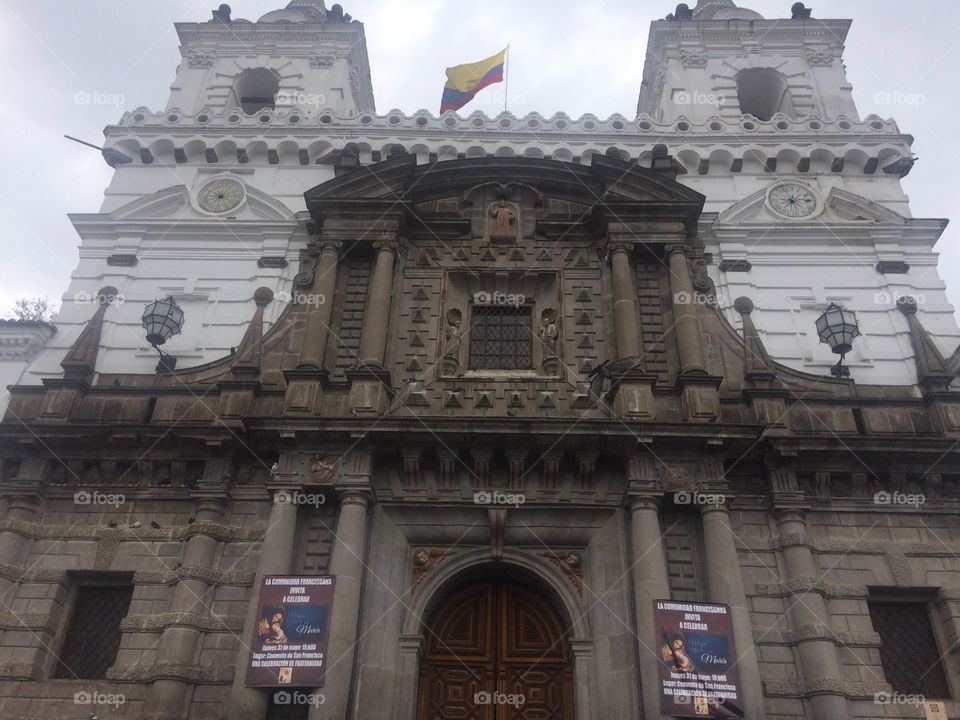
x,y
162,319
837,327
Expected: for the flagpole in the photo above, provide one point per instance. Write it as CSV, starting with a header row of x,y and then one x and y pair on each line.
x,y
506,79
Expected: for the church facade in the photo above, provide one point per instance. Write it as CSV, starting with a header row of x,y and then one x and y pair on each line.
x,y
517,386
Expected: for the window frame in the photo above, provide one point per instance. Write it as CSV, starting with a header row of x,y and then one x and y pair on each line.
x,y
78,580
528,309
928,598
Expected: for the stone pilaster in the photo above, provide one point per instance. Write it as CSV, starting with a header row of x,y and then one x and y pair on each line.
x,y
276,558
168,699
684,299
625,316
320,306
373,340
650,583
726,586
698,399
634,398
810,619
347,563
368,393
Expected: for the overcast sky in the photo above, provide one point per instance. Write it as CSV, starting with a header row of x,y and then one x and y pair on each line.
x,y
577,57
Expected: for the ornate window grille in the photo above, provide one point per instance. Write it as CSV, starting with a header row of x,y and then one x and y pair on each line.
x,y
501,338
909,652
93,638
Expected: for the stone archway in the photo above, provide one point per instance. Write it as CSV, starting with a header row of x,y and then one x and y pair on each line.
x,y
495,649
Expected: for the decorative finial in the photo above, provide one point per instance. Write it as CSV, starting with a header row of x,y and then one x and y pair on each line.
x,y
222,14
799,11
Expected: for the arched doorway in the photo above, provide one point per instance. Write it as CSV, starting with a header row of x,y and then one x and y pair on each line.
x,y
495,650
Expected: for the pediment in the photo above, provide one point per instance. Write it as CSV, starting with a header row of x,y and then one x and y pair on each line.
x,y
620,187
838,207
177,203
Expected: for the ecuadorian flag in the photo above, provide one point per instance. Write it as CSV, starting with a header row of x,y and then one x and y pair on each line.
x,y
465,81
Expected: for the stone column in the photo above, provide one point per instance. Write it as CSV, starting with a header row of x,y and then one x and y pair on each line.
x,y
276,558
810,619
376,317
347,563
625,318
726,586
166,697
319,313
650,582
685,312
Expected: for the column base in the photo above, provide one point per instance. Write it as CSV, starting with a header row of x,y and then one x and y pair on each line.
x,y
304,390
634,399
699,400
370,390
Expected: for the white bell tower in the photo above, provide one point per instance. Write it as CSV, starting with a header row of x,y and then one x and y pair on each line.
x,y
722,61
303,57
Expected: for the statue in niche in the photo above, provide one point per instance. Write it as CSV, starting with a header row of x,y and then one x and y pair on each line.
x,y
451,350
503,217
548,335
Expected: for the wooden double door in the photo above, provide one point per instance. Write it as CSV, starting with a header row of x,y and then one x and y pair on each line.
x,y
495,650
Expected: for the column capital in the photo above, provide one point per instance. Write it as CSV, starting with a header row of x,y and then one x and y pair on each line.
x,y
386,246
671,250
644,501
619,245
707,508
330,245
355,496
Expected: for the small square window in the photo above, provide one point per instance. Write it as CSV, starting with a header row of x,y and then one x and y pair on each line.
x,y
909,652
93,638
501,338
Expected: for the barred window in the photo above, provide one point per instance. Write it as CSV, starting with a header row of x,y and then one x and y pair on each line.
x,y
93,637
909,652
501,338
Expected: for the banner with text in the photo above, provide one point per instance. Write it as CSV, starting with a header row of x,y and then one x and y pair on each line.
x,y
290,636
698,674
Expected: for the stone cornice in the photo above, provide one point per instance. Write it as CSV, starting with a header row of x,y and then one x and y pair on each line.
x,y
805,585
197,674
25,621
853,689
160,621
20,671
209,575
853,546
218,531
805,633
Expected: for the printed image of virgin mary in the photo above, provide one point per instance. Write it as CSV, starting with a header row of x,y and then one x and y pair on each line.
x,y
270,628
674,653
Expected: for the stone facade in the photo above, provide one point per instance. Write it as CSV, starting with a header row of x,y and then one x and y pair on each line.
x,y
346,424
